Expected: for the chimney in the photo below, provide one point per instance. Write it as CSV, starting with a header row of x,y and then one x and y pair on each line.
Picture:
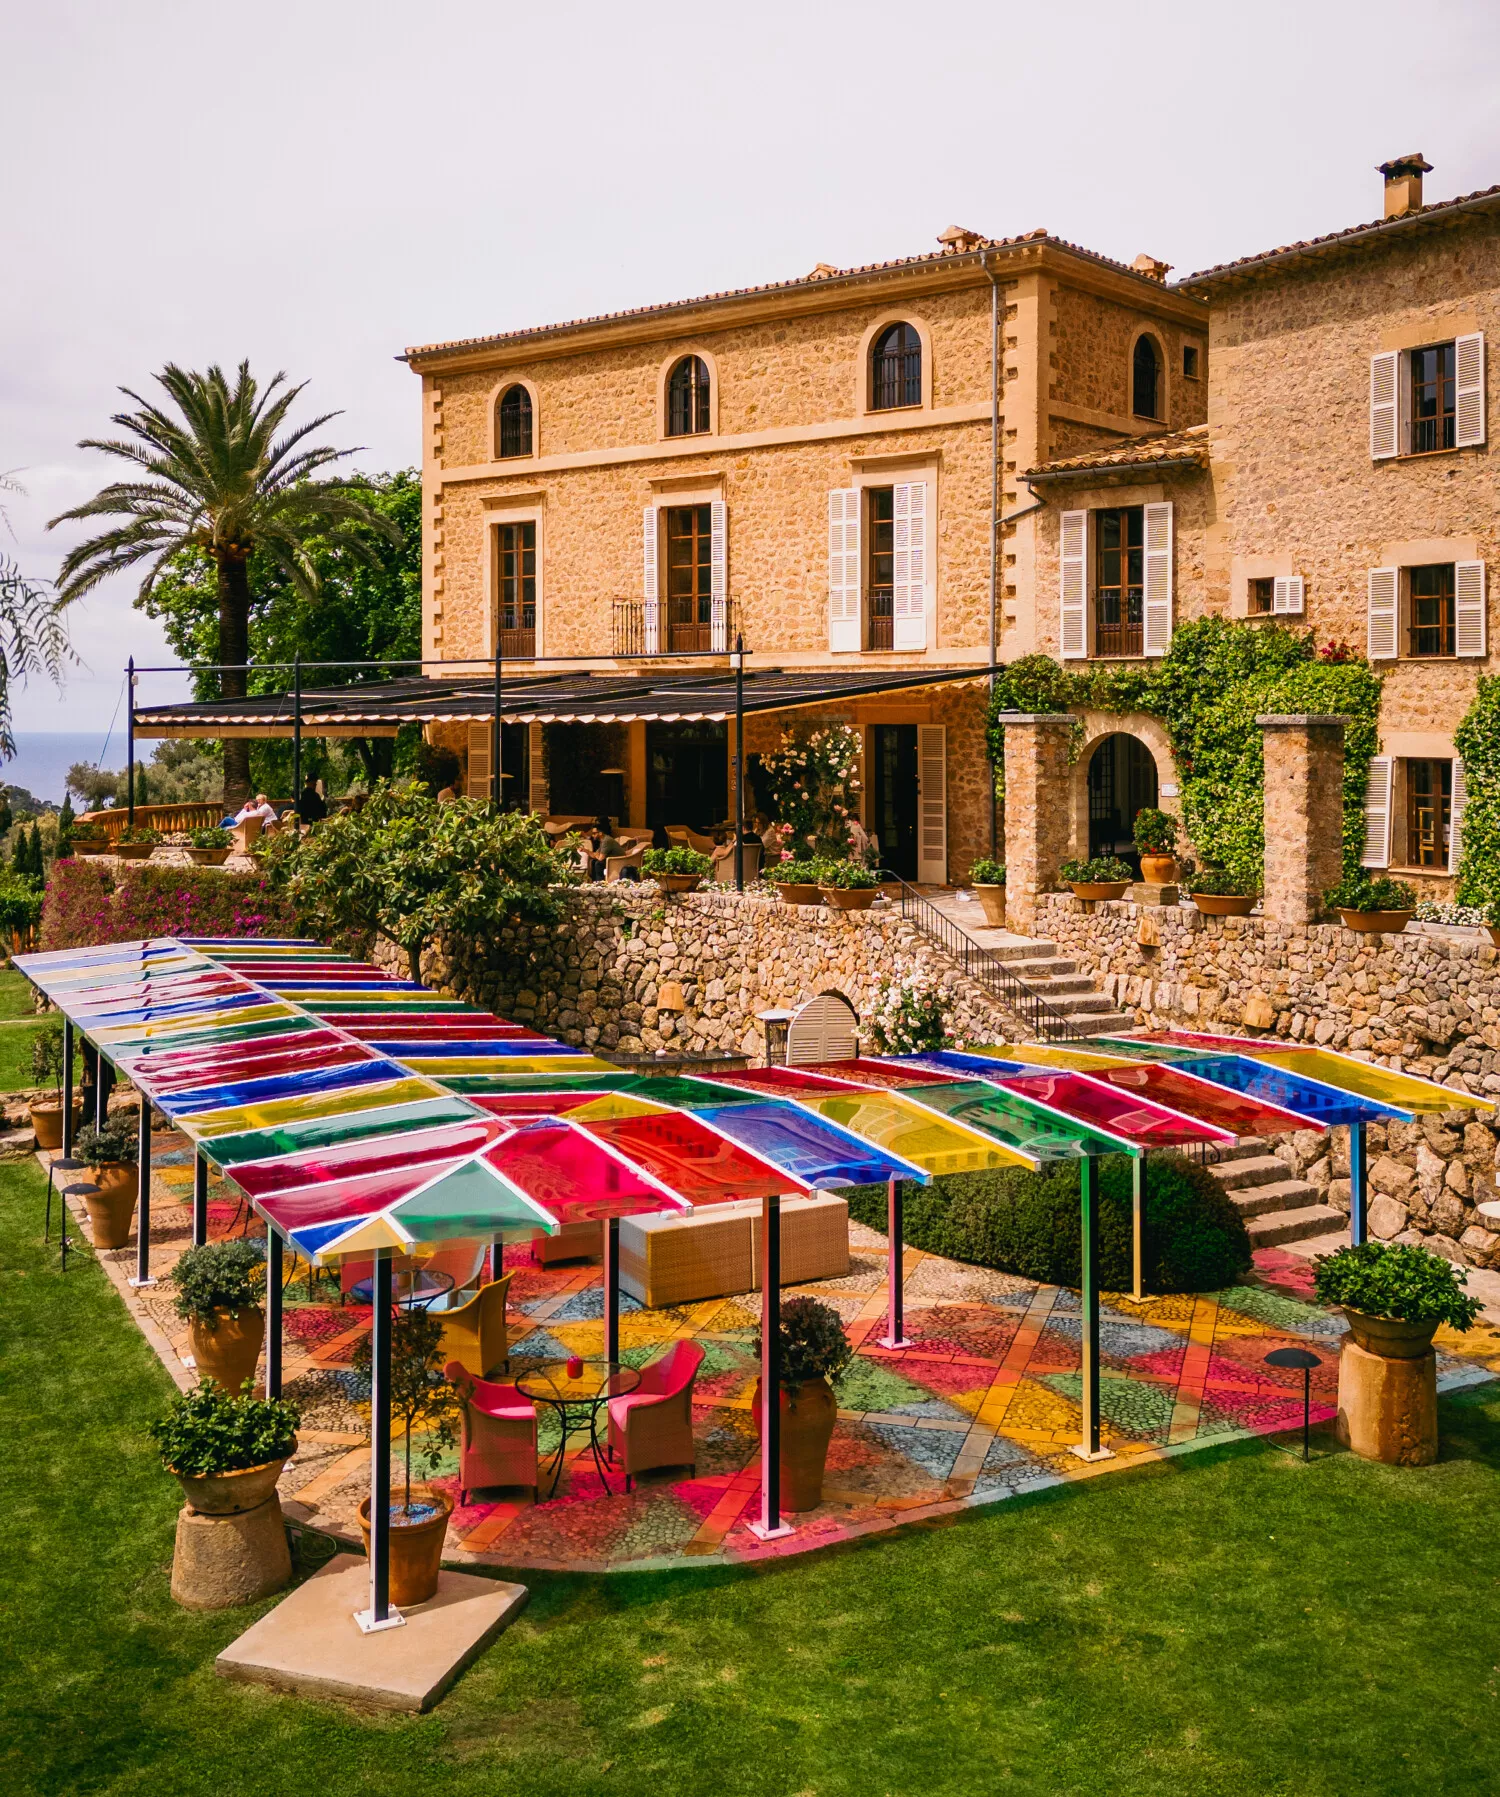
x,y
1151,268
1403,184
958,240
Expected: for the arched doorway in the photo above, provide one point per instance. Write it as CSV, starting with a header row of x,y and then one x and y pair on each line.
x,y
1121,782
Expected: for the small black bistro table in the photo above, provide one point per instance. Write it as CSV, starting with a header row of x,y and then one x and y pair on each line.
x,y
578,1402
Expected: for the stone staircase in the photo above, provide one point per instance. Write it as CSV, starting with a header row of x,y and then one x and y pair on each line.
x,y
1277,1207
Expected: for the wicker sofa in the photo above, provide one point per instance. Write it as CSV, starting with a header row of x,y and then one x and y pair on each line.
x,y
715,1252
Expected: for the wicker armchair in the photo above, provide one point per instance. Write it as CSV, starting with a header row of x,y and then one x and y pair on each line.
x,y
475,1334
498,1441
653,1425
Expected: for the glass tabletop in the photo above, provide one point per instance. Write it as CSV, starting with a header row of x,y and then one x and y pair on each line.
x,y
597,1380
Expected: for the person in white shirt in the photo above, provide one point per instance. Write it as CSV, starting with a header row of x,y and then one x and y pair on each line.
x,y
260,806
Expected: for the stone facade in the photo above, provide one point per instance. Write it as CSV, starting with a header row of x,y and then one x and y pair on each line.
x,y
1304,814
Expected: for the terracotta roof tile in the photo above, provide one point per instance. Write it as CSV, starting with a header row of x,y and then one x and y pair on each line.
x,y
1188,447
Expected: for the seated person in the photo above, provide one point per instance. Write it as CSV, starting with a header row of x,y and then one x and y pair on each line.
x,y
260,806
605,844
312,807
660,838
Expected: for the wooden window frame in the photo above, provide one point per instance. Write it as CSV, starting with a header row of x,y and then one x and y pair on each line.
x,y
697,407
1124,638
515,588
909,359
1447,617
1429,814
1444,423
1260,586
1157,416
880,568
688,602
527,408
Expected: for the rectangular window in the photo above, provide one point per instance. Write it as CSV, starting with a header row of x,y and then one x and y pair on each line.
x,y
1429,808
689,579
1262,597
1430,373
1430,602
517,590
1119,581
880,571
1190,361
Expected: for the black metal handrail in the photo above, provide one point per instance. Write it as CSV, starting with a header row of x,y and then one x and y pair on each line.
x,y
1043,1020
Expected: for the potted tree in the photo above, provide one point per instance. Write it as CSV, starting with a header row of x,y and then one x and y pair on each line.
x,y
847,885
90,839
217,1294
814,1351
112,1156
423,1400
1220,894
225,1451
136,844
1394,1296
796,882
988,878
209,847
47,1069
1156,842
677,869
1369,905
1103,877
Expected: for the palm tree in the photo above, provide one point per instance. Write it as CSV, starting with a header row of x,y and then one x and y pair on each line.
x,y
31,634
218,480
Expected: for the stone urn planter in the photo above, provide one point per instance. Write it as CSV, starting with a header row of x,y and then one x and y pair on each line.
x,y
1158,870
1389,1337
209,857
992,901
228,1353
416,1546
230,1494
134,851
47,1120
1224,904
1493,934
845,898
1089,891
678,882
111,1203
1369,922
94,847
1388,1390
797,892
806,1430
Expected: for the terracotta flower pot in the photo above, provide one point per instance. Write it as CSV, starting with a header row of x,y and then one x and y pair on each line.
x,y
678,882
134,851
1389,1336
230,1494
849,898
1224,904
797,892
47,1120
209,857
1158,870
416,1547
111,1203
90,848
806,1430
228,1353
992,898
1107,889
1368,922
1493,934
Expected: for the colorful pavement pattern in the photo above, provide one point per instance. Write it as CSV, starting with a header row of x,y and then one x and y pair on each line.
x,y
983,1405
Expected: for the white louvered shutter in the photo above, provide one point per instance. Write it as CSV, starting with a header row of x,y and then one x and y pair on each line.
x,y
1385,405
1072,585
1158,607
909,597
477,784
1456,816
1378,814
932,803
718,575
1468,391
651,594
1286,595
1381,608
843,568
1470,612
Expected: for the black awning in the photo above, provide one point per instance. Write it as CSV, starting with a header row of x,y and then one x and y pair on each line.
x,y
380,707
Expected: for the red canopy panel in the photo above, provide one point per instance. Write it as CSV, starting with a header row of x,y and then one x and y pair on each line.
x,y
574,1177
877,1073
373,1156
694,1159
1215,1105
252,1066
782,1081
531,1104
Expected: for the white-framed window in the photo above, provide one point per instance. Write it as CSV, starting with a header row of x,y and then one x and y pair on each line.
x,y
879,572
1414,807
1435,611
1115,582
1428,400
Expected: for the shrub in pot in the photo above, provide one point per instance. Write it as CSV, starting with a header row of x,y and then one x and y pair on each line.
x,y
136,844
217,1293
814,1352
1155,835
1369,905
988,879
848,885
90,839
47,1070
424,1402
225,1451
676,869
1102,877
1394,1296
796,881
112,1156
1220,894
209,847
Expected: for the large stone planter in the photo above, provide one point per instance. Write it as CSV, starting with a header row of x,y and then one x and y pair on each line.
x,y
845,898
678,882
230,1494
806,1430
416,1548
221,1562
1388,1335
209,857
229,1352
1223,904
797,892
134,851
1369,922
1388,1406
111,1203
47,1120
992,899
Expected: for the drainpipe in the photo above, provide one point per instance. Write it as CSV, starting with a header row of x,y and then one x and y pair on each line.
x,y
994,514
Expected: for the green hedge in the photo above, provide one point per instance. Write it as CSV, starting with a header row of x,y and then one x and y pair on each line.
x,y
1193,1239
1477,740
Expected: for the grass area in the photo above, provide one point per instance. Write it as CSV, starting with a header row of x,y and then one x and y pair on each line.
x,y
19,1024
1230,1623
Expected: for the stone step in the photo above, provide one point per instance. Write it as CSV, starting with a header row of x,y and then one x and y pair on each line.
x,y
1246,1149
1064,982
1275,1195
1054,968
1088,1004
1252,1170
1294,1225
1005,947
1101,1022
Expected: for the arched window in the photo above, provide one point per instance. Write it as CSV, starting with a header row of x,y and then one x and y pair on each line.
x,y
1145,379
514,412
896,369
687,398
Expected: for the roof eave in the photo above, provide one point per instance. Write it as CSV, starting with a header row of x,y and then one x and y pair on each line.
x,y
1159,464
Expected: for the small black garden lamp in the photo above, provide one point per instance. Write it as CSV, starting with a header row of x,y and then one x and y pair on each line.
x,y
1307,1360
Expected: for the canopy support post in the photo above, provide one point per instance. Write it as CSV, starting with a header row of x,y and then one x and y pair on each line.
x,y
143,1195
1088,1186
895,1314
612,1289
130,743
380,1615
297,735
273,1313
67,1090
200,1199
1137,1183
496,750
1358,1183
739,763
770,1527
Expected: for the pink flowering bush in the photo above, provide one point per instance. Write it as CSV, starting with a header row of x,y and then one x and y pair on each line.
x,y
86,903
910,1015
813,780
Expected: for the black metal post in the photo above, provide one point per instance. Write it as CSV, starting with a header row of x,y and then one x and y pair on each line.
x,y
1137,1218
496,741
770,1526
297,735
739,764
895,1299
143,1197
67,1090
380,1445
612,1289
1358,1183
200,1200
130,742
273,1313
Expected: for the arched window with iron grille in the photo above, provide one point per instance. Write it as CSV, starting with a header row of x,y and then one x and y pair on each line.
x,y
513,415
1145,379
687,398
896,369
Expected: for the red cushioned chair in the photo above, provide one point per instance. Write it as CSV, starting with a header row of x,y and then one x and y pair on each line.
x,y
653,1425
498,1445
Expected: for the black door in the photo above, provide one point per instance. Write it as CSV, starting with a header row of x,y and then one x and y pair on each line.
x,y
1122,781
893,796
687,774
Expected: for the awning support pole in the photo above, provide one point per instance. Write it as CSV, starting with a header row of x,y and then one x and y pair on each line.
x,y
1137,1182
130,743
496,779
770,1527
895,1314
1358,1182
1088,1187
67,1116
612,1289
739,763
297,735
273,1313
143,1195
380,1615
200,1200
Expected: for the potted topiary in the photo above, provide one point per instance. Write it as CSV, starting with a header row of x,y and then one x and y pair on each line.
x,y
216,1293
90,839
209,847
796,881
47,1069
1156,842
112,1156
423,1400
1492,921
677,869
1103,877
847,885
1394,1295
989,882
225,1451
1220,894
1369,905
814,1351
136,844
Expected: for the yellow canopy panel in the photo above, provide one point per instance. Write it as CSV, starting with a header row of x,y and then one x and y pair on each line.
x,y
892,1122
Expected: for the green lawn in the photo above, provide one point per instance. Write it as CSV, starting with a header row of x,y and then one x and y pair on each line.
x,y
1231,1623
19,1024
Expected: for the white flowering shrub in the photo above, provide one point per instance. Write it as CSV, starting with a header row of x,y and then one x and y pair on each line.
x,y
814,780
910,1015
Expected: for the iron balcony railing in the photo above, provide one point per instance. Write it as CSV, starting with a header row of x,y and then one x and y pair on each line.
x,y
673,627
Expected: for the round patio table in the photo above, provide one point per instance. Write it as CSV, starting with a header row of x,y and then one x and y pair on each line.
x,y
407,1293
578,1402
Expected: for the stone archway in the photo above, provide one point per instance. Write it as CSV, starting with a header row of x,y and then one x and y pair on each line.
x,y
1160,771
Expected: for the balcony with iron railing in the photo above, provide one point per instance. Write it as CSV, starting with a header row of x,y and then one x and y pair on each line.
x,y
642,627
880,618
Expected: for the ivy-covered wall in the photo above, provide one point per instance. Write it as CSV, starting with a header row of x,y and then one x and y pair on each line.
x,y
1477,741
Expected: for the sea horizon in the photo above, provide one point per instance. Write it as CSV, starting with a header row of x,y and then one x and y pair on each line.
x,y
42,758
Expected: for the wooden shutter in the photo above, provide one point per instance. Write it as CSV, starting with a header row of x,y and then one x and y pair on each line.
x,y
1073,585
477,782
909,599
826,1028
843,568
718,574
932,804
651,595
1470,612
1286,595
1158,606
1377,851
1381,614
1468,391
1456,802
1385,405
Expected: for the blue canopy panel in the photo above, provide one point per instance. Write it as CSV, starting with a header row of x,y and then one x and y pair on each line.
x,y
284,1085
819,1153
954,1060
1292,1091
274,984
437,1049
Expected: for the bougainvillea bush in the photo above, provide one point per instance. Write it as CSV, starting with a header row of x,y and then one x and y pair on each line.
x,y
87,903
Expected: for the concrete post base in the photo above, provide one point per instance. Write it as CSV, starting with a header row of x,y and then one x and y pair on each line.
x,y
222,1561
1143,893
1388,1408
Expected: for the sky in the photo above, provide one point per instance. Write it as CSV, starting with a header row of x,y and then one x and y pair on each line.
x,y
316,185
